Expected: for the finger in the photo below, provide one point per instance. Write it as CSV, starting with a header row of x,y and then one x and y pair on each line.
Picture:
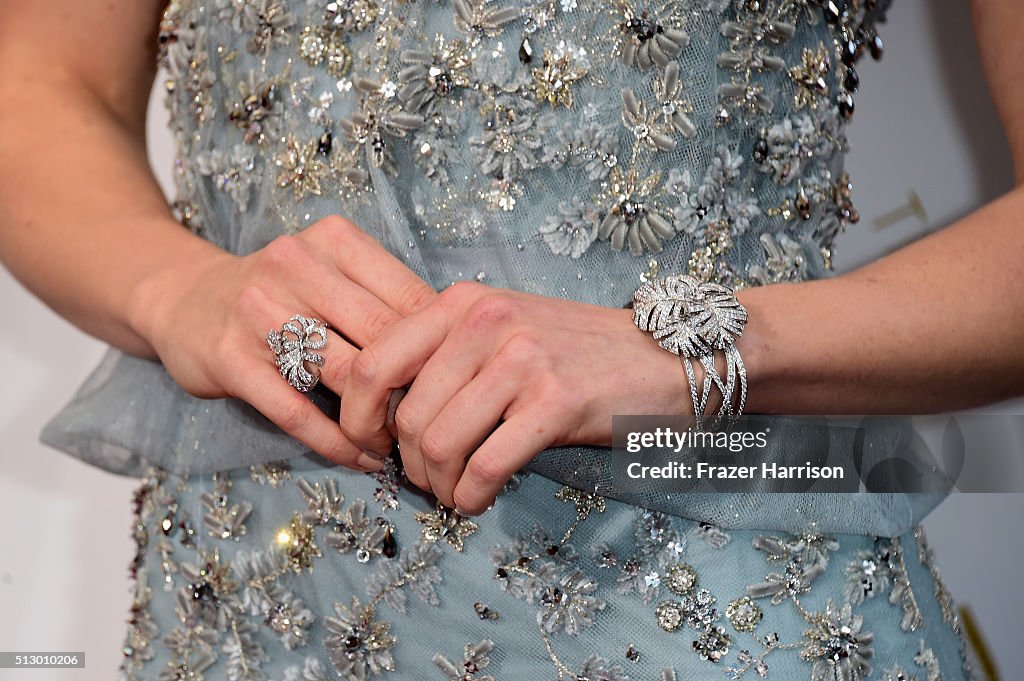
x,y
355,313
507,450
461,426
391,362
363,260
449,370
338,355
262,386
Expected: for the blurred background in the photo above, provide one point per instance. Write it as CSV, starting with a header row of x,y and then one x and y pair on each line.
x,y
927,148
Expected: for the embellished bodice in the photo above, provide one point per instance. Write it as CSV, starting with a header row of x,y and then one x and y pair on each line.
x,y
569,148
562,147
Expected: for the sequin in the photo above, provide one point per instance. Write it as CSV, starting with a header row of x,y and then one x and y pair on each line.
x,y
744,614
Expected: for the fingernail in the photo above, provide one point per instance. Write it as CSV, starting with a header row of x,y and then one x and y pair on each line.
x,y
373,455
467,514
369,462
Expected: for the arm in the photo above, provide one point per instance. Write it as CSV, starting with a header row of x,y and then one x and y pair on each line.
x,y
84,220
937,325
498,376
86,228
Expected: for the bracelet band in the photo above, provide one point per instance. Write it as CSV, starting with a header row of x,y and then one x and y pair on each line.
x,y
692,318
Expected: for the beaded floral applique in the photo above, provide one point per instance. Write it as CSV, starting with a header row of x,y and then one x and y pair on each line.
x,y
224,604
493,105
232,604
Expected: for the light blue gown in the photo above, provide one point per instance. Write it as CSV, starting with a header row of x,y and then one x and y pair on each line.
x,y
567,148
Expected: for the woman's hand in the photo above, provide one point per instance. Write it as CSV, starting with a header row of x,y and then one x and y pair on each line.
x,y
498,376
208,321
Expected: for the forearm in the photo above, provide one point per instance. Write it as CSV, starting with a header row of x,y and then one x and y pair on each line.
x,y
937,325
84,221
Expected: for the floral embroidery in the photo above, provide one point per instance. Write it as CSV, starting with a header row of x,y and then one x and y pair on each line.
x,y
416,568
435,74
269,21
837,645
474,659
744,614
560,68
322,46
633,216
415,101
302,168
874,571
378,120
220,520
358,642
257,110
810,77
647,37
447,524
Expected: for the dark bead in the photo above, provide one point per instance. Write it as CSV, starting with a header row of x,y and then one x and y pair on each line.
x,y
525,51
202,591
390,546
832,12
353,641
846,105
325,144
876,48
552,550
761,150
852,81
850,52
501,573
269,97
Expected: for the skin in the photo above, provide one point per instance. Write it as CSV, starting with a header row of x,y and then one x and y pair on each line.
x,y
493,376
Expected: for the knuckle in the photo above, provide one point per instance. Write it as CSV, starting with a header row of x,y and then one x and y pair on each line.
x,y
417,295
293,416
379,319
407,422
338,228
491,310
433,449
363,368
284,252
487,470
336,370
522,349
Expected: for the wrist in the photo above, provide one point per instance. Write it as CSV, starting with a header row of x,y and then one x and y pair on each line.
x,y
152,302
665,382
756,347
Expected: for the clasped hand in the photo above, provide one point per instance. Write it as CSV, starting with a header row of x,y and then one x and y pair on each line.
x,y
493,376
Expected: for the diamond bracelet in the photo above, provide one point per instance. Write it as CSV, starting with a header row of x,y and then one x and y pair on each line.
x,y
692,318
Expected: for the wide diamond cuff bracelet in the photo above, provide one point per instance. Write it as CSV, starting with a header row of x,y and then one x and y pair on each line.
x,y
692,318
